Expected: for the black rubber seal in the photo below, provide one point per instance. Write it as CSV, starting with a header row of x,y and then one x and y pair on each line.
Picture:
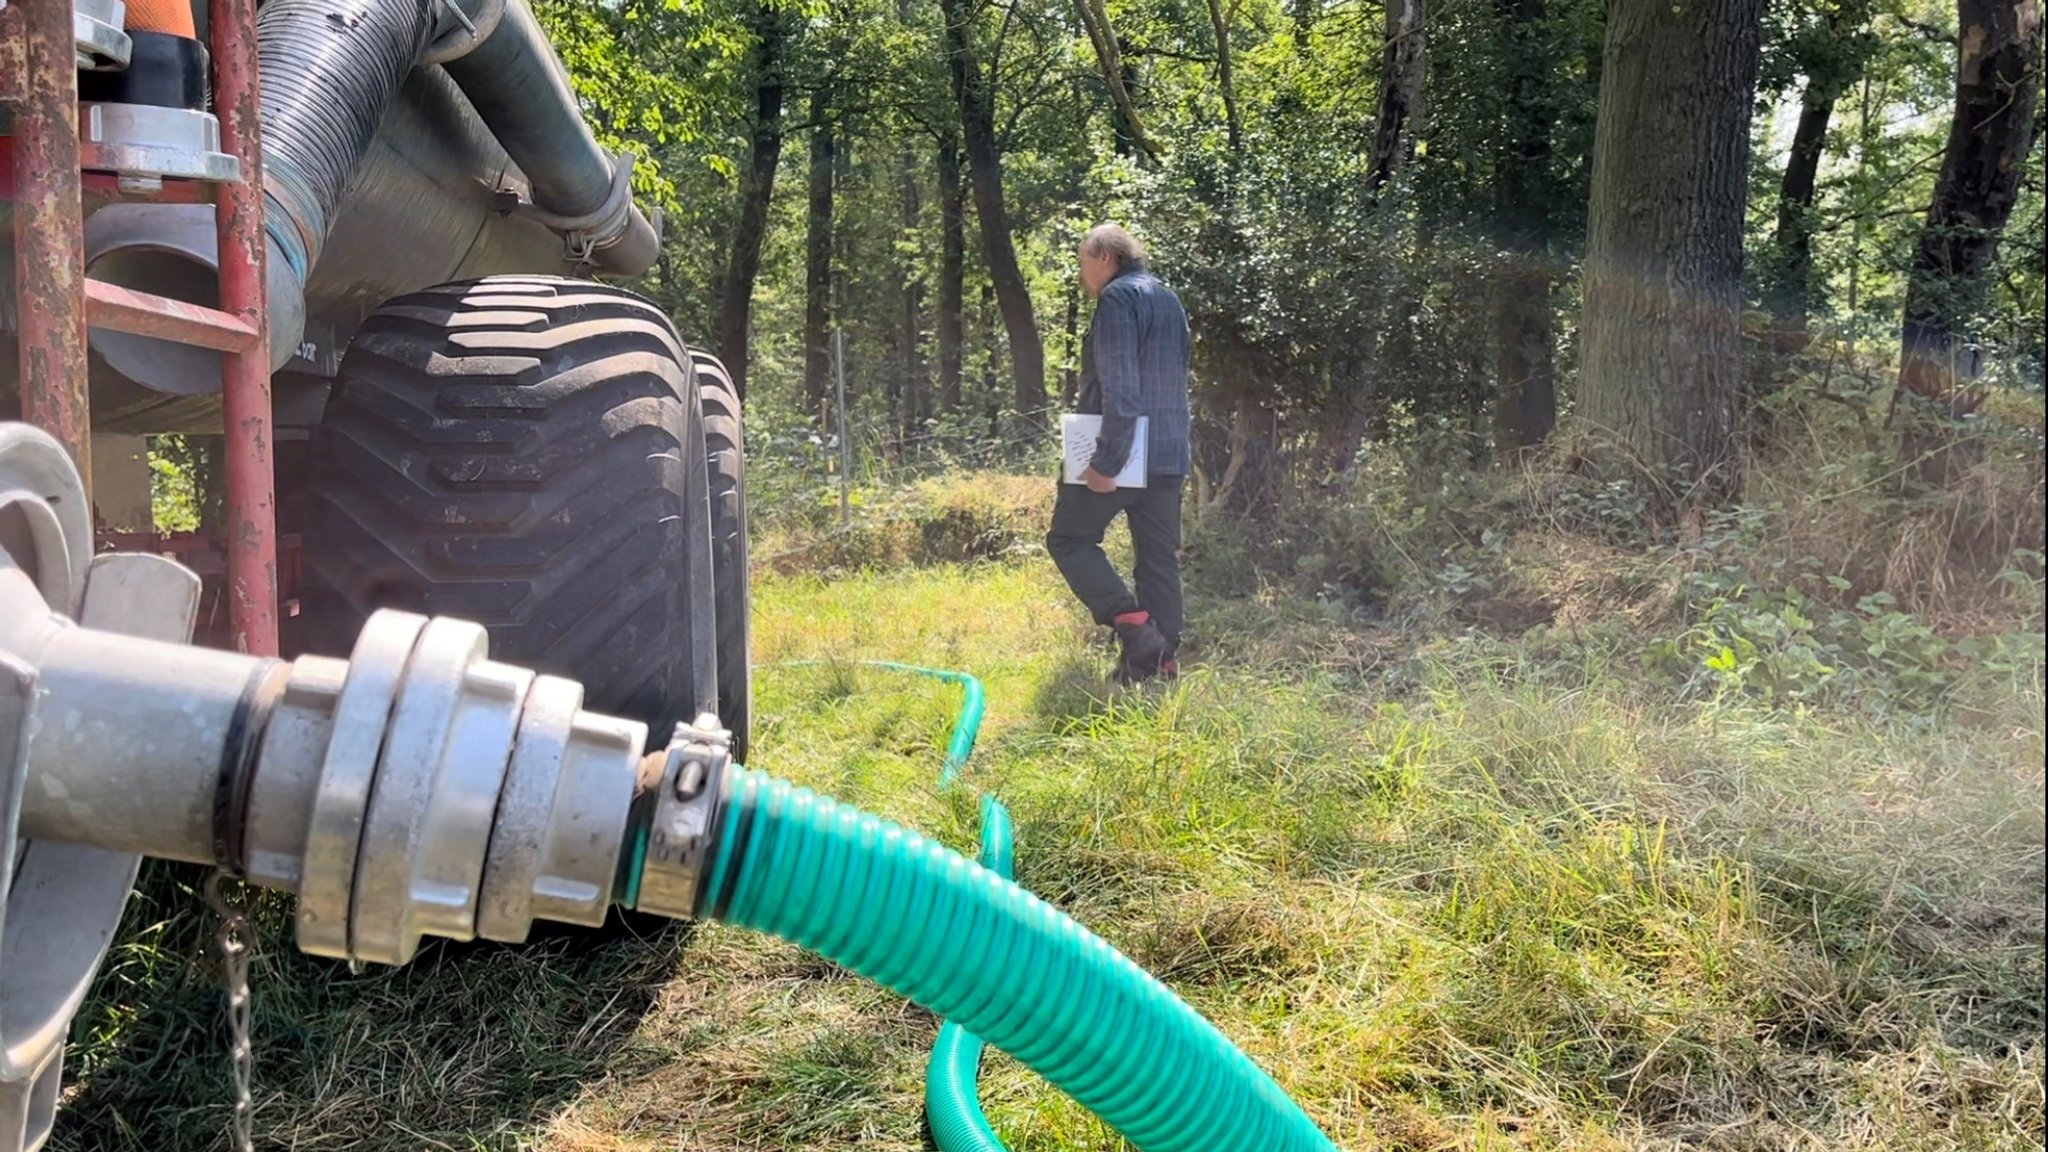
x,y
238,753
164,71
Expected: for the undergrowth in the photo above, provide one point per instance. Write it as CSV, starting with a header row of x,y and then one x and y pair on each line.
x,y
1482,820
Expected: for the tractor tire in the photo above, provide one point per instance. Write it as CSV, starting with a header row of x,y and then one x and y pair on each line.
x,y
724,456
525,452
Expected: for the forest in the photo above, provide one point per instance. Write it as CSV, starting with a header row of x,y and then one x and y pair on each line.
x,y
1632,234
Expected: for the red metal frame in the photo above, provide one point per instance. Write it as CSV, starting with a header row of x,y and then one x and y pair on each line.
x,y
39,80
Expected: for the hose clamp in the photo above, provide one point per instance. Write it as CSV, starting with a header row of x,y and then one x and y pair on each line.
x,y
599,228
459,32
684,825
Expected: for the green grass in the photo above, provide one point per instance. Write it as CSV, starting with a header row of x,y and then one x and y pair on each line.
x,y
1453,891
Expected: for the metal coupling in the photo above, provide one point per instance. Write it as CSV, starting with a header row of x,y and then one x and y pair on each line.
x,y
97,27
454,797
683,825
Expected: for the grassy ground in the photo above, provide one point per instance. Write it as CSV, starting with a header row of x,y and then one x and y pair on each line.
x,y
1456,890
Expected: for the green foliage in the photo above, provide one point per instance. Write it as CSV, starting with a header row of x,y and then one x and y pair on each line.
x,y
182,492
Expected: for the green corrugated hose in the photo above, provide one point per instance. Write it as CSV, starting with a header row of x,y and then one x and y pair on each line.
x,y
997,962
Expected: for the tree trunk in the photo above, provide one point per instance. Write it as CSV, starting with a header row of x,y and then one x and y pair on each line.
x,y
1404,63
818,258
1304,14
985,170
991,391
1109,56
1524,322
1998,83
1220,21
757,188
916,390
1791,273
1661,365
952,273
1070,375
1525,334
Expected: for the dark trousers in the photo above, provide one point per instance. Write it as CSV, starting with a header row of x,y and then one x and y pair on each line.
x,y
1079,519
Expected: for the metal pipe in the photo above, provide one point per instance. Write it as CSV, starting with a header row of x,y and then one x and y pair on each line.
x,y
49,241
133,732
245,377
522,93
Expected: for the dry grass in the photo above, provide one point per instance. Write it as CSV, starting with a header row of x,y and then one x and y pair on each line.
x,y
1457,889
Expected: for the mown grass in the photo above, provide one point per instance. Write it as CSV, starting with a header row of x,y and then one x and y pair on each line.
x,y
1456,890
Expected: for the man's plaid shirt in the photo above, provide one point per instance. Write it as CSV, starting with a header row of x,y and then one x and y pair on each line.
x,y
1134,362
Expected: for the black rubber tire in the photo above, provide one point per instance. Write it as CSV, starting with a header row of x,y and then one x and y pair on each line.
x,y
526,452
725,459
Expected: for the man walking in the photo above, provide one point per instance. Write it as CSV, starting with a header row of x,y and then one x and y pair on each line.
x,y
1134,362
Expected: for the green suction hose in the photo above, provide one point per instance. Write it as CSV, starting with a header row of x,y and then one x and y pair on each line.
x,y
952,1092
996,962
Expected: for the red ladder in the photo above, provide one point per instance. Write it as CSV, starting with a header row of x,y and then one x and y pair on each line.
x,y
56,301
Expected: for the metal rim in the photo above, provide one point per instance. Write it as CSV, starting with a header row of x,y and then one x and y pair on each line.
x,y
37,469
381,921
145,140
102,44
334,835
505,905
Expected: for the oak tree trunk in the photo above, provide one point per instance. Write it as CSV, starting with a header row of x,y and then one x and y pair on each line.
x,y
1998,84
985,171
952,273
916,389
757,188
1525,193
1791,291
1233,124
818,258
1661,360
1109,57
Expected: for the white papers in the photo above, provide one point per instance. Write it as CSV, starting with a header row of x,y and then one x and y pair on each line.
x,y
1078,433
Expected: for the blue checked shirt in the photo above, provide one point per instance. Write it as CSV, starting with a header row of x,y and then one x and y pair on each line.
x,y
1134,362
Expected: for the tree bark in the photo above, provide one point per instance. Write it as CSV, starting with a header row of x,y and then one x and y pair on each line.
x,y
916,389
991,391
1232,125
1998,83
1661,364
1070,374
952,273
985,171
818,258
1109,57
1792,243
1404,63
757,188
1525,193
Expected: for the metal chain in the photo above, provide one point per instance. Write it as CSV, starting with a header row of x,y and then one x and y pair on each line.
x,y
237,941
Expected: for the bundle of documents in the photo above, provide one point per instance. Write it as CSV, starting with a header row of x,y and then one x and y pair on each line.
x,y
1078,433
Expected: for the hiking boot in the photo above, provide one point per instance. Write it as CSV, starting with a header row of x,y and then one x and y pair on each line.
x,y
1167,669
1144,645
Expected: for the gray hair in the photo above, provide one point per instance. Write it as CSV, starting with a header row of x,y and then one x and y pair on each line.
x,y
1111,240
